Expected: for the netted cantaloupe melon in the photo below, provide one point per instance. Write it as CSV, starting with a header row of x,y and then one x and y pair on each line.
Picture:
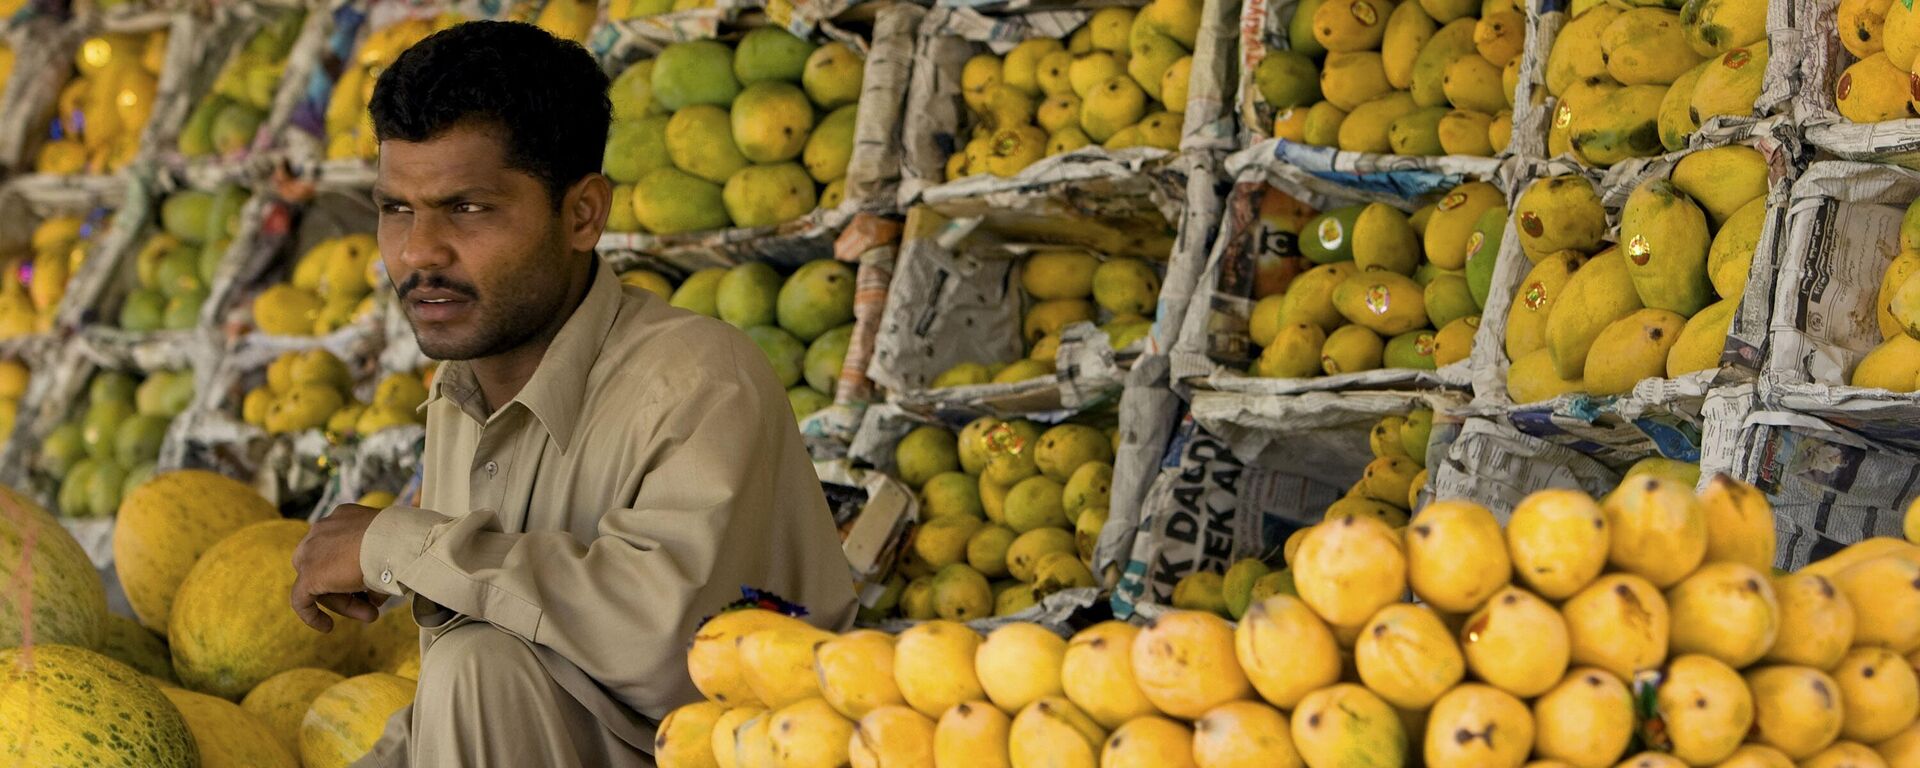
x,y
228,736
69,605
282,701
135,646
164,526
348,718
231,624
67,706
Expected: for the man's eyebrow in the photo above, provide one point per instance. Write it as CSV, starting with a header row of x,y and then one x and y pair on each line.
x,y
382,197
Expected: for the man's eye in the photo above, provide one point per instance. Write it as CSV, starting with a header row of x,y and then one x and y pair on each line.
x,y
394,209
468,208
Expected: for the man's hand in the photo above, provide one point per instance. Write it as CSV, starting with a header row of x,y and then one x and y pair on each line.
x,y
327,568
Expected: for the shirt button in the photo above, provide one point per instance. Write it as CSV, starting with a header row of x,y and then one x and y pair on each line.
x,y
492,467
386,577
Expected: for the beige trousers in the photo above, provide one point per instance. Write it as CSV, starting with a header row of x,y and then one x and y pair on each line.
x,y
484,700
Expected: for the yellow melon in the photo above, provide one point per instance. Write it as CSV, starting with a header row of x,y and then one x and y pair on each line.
x,y
71,706
231,627
228,736
348,718
135,646
69,603
282,701
164,526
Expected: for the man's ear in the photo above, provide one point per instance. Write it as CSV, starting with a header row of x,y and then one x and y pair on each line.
x,y
585,210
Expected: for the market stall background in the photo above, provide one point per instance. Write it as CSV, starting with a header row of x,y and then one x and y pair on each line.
x,y
1032,282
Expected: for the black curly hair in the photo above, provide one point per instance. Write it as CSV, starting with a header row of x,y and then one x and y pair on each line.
x,y
546,96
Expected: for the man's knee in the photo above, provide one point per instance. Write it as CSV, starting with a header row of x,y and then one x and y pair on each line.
x,y
476,661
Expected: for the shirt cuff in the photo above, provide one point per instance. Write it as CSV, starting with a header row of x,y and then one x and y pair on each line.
x,y
393,541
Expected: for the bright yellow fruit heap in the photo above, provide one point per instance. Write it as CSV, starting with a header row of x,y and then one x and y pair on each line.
x,y
1525,644
710,136
332,286
226,119
103,110
1119,81
1636,82
33,282
1384,282
1009,513
314,390
1066,286
1895,364
349,126
1884,39
218,671
1598,317
1431,77
110,446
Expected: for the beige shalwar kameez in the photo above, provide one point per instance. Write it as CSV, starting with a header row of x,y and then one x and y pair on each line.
x,y
569,542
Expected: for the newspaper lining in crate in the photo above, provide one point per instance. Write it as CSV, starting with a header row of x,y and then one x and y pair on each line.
x,y
1823,59
1844,231
872,173
43,51
1495,466
1264,26
1829,487
1659,416
1214,348
1084,181
1239,477
882,428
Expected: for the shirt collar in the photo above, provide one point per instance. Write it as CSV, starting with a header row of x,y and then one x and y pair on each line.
x,y
557,391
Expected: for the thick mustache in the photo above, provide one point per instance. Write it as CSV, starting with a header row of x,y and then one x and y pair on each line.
x,y
416,282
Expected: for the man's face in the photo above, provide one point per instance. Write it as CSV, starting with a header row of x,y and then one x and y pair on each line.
x,y
477,254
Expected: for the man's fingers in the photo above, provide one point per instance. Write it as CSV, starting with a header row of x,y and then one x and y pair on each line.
x,y
353,606
309,612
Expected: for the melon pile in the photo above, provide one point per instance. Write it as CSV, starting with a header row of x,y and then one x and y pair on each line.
x,y
217,671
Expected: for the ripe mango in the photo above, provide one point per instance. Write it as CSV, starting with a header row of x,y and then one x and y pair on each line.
x,y
1384,302
856,672
1676,121
1885,594
1533,301
1861,24
1892,366
1666,240
1113,104
1294,353
1454,343
1019,664
1722,180
1052,731
1600,292
1201,591
1148,742
1407,32
1064,273
1586,721
933,667
899,735
1386,479
1739,524
1619,623
1309,299
1581,98
1756,756
1067,447
1348,726
1452,42
809,734
1707,709
1659,530
1456,556
1286,650
1407,656
1349,568
1730,259
1647,46
1096,673
1473,83
972,733
1633,348
1384,440
1730,84
1816,622
1465,132
1516,642
1713,26
714,661
778,664
1904,265
1020,69
1498,730
1023,557
1797,710
1327,238
1576,53
1453,219
1384,241
1321,128
1365,127
1184,662
1843,754
1725,611
1244,734
1351,349
1623,125
1558,541
961,593
1881,693
685,737
1871,91
1350,25
1236,585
